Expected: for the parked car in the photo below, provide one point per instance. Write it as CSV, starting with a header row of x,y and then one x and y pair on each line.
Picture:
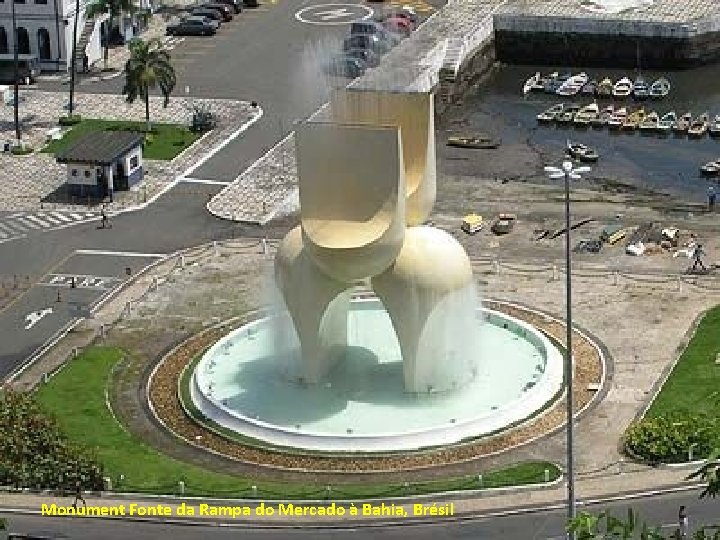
x,y
225,11
345,66
366,41
193,26
373,28
370,58
236,5
208,13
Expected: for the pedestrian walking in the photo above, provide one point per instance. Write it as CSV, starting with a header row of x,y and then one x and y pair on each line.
x,y
698,264
712,196
683,522
105,221
78,495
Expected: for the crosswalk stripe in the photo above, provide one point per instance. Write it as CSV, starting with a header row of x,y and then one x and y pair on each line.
x,y
39,221
13,228
61,217
76,216
5,228
3,235
51,219
28,223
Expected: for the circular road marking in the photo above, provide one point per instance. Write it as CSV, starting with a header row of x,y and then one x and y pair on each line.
x,y
333,14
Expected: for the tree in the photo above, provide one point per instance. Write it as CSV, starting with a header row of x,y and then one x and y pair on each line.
x,y
113,8
148,66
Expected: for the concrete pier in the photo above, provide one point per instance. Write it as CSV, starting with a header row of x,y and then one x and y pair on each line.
x,y
667,34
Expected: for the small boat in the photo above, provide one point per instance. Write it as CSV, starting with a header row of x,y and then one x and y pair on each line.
x,y
650,122
711,168
660,88
481,141
586,115
667,122
555,82
683,123
472,223
714,128
550,114
540,85
573,85
605,88
581,152
699,126
532,81
634,119
622,88
589,89
568,114
641,90
618,118
502,225
604,117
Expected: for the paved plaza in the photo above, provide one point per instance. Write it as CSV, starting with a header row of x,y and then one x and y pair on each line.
x,y
30,179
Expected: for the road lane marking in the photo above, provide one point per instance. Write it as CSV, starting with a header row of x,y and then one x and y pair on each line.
x,y
61,217
31,319
333,14
25,221
51,219
189,180
120,253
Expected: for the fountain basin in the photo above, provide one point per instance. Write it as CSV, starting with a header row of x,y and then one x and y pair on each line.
x,y
244,383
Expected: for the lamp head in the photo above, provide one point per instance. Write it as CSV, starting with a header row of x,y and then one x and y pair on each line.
x,y
567,166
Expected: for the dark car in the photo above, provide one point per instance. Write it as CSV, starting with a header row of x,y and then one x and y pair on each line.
x,y
235,5
366,41
374,28
208,13
370,58
193,26
345,66
226,12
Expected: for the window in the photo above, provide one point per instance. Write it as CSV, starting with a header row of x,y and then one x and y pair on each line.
x,y
74,172
19,1
41,1
133,162
43,37
3,41
87,174
23,40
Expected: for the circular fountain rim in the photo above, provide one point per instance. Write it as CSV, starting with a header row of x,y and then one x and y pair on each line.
x,y
545,391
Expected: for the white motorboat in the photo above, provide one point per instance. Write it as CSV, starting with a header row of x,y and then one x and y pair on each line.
x,y
532,81
573,85
660,88
618,118
587,114
623,88
667,121
581,151
551,114
711,168
604,117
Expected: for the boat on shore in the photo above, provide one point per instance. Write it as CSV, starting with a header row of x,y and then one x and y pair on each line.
x,y
711,168
714,127
586,115
551,113
667,122
605,88
539,86
683,123
581,152
603,118
573,85
699,126
589,89
618,118
622,88
555,82
650,122
641,90
473,141
530,83
634,119
660,88
568,114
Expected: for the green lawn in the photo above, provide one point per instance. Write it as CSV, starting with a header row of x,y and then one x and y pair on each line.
x,y
166,140
694,384
76,396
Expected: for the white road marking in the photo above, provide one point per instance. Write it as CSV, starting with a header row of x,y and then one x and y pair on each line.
x,y
202,181
32,318
76,216
119,253
51,219
39,221
6,228
61,217
25,221
333,14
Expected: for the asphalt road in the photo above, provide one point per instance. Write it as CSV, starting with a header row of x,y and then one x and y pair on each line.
x,y
538,525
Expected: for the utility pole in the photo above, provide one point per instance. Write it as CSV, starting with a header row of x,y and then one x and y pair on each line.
x,y
71,105
16,70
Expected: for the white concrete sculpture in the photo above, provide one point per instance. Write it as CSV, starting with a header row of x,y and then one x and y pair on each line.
x,y
362,179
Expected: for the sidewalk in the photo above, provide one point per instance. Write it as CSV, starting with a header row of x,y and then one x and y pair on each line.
x,y
516,500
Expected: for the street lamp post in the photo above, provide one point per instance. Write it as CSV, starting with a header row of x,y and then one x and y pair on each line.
x,y
568,173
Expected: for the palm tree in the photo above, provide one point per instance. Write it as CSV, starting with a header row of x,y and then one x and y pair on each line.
x,y
113,8
148,66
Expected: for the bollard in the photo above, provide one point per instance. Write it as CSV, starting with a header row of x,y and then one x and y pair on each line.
x,y
264,246
328,491
679,283
555,272
128,307
107,481
75,352
121,478
181,487
616,277
496,266
406,487
154,283
253,489
45,378
547,475
215,248
620,466
102,331
58,296
182,261
480,480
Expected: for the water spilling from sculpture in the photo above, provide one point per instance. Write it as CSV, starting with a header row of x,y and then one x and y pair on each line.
x,y
378,342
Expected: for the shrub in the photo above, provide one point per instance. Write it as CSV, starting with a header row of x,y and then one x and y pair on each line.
x,y
668,438
21,150
35,453
70,120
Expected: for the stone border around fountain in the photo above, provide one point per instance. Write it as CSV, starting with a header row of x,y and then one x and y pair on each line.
x,y
164,403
